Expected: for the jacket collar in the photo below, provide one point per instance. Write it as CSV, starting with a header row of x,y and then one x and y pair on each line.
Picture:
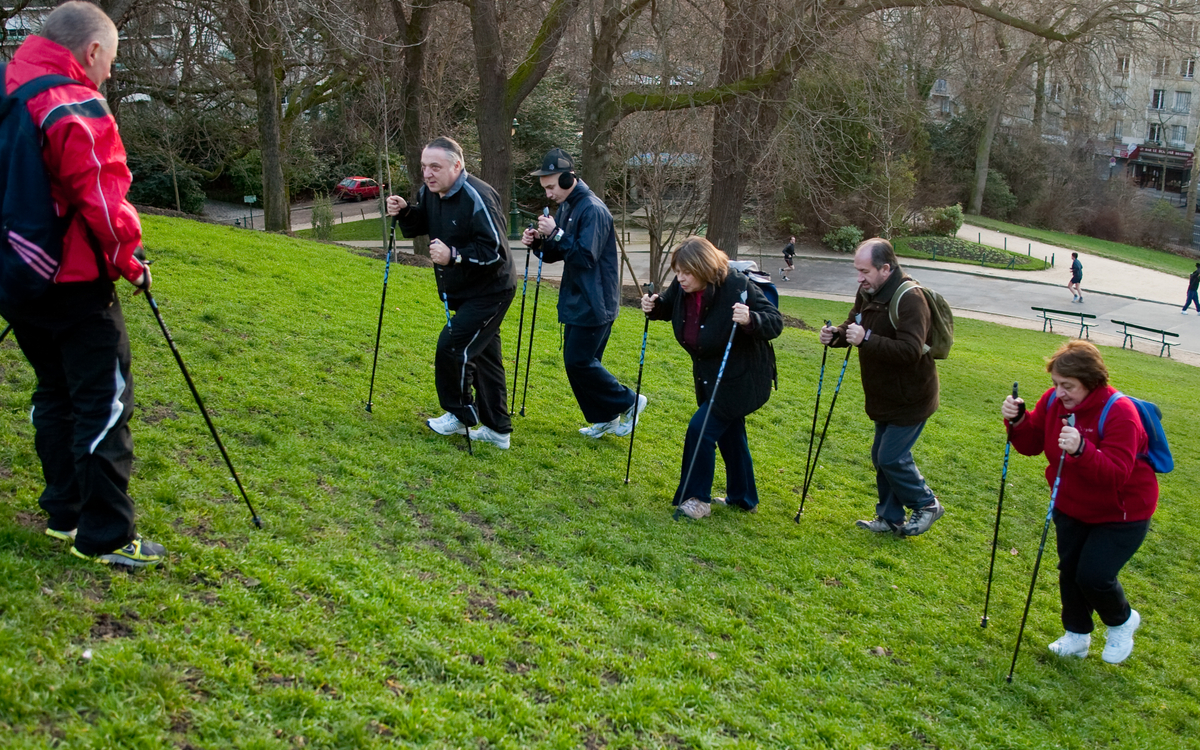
x,y
462,178
578,193
38,56
885,292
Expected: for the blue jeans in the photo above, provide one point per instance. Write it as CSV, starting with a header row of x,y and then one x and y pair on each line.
x,y
1191,298
730,437
601,398
897,479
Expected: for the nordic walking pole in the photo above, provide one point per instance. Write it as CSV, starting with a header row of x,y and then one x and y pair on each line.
x,y
812,433
537,288
1037,563
520,330
638,395
829,415
387,265
196,395
4,335
707,412
446,306
996,531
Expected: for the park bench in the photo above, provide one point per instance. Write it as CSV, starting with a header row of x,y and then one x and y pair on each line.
x,y
1048,317
1156,335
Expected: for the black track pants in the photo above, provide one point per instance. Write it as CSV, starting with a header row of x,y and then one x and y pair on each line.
x,y
81,410
1090,555
601,398
468,355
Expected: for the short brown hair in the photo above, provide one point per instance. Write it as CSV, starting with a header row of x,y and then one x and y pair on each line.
x,y
1080,360
702,259
76,24
447,144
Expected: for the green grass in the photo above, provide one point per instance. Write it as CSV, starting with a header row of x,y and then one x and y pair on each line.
x,y
354,227
404,593
955,250
1138,256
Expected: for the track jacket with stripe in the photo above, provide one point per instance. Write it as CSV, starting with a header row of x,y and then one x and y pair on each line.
x,y
469,221
85,161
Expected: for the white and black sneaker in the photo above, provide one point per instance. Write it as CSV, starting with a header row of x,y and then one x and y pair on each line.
x,y
922,518
447,424
485,434
630,417
600,429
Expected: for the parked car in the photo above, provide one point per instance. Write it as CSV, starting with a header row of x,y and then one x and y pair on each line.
x,y
357,188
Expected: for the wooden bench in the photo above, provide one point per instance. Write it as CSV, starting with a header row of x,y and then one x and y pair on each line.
x,y
1048,317
1158,336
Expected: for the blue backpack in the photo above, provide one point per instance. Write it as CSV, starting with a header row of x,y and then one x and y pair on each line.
x,y
1158,453
31,233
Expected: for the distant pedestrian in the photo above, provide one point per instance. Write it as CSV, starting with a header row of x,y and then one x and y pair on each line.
x,y
1076,277
1193,282
789,251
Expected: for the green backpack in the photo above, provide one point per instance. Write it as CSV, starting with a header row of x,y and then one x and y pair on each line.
x,y
941,321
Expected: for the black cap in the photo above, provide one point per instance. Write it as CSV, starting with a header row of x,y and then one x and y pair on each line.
x,y
554,162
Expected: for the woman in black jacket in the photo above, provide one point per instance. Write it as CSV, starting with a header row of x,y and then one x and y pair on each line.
x,y
703,304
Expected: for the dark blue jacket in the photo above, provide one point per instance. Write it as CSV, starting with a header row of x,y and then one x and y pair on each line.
x,y
589,295
470,222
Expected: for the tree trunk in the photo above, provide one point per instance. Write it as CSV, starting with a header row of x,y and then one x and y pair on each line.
x,y
1191,193
983,154
1039,97
411,83
276,217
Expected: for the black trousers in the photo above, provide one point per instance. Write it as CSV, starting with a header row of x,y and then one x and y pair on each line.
x,y
1090,555
469,357
81,410
601,398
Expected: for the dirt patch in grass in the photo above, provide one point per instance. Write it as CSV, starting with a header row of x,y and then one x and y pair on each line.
x,y
107,626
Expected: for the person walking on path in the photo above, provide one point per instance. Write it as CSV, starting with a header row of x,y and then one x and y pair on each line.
x,y
789,251
1076,277
704,304
477,280
581,235
900,383
74,334
1193,283
1106,495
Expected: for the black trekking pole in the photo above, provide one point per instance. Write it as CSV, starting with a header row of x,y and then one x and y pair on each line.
x,y
446,306
638,394
712,399
825,428
537,288
387,265
812,433
200,403
1037,563
520,331
996,531
4,335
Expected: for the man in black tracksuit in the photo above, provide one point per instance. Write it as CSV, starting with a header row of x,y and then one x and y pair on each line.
x,y
581,235
475,276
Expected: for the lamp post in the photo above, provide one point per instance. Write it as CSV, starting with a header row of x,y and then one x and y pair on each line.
x,y
514,213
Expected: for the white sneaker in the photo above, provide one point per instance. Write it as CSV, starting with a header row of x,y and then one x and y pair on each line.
x,y
1072,644
485,434
630,417
1118,641
600,429
1183,312
695,509
447,424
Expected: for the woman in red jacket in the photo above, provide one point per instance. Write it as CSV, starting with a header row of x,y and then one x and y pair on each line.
x,y
1106,495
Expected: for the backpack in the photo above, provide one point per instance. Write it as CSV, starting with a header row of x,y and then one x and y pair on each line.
x,y
31,233
762,280
1158,453
941,319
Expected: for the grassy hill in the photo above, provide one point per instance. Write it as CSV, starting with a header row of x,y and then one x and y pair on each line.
x,y
404,593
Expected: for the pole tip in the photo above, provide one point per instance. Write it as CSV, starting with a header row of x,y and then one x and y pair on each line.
x,y
983,623
1008,679
798,514
368,406
257,522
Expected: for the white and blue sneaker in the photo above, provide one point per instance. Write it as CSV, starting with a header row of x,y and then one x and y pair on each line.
x,y
447,424
600,429
485,434
630,417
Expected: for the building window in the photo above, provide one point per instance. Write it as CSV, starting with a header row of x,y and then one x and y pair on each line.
x,y
1123,65
1158,99
945,104
1154,132
1055,91
1161,66
1183,101
1187,68
1178,133
939,86
1118,128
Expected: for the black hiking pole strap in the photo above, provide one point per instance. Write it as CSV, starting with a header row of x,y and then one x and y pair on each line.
x,y
196,395
996,530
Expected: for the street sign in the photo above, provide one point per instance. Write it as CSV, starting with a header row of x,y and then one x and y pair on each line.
x,y
249,198
1112,162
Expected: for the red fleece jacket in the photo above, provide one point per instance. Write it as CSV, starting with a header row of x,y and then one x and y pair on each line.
x,y
1107,482
85,160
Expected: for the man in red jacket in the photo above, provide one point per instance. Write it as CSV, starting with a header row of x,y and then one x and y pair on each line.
x,y
74,334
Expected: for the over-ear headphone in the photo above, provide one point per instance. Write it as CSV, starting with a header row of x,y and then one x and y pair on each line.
x,y
566,180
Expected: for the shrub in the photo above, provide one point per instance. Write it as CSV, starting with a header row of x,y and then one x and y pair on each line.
x,y
843,239
946,221
322,217
1161,225
153,185
998,199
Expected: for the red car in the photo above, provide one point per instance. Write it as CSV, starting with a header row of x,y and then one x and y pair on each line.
x,y
357,188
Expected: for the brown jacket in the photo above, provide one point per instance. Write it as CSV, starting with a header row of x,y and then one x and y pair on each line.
x,y
900,382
